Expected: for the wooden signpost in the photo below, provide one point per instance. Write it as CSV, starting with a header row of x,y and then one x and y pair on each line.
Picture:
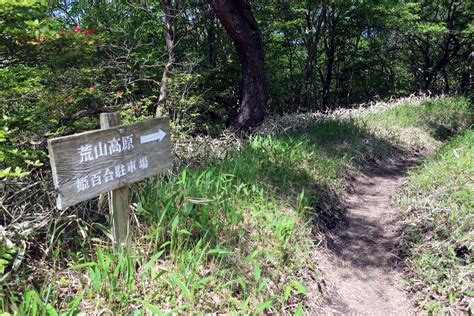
x,y
107,160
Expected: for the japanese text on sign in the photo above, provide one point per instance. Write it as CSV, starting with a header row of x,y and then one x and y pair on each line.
x,y
87,164
90,152
107,175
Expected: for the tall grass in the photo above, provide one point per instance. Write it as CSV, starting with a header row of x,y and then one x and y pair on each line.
x,y
438,203
235,235
425,126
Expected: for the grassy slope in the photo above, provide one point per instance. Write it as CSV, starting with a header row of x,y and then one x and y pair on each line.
x,y
438,203
235,235
425,126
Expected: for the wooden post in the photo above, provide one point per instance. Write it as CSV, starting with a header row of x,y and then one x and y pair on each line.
x,y
118,198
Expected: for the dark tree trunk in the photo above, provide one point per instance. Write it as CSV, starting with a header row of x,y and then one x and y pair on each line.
x,y
237,18
311,49
446,88
307,72
430,75
450,49
351,76
170,9
211,40
427,82
331,21
330,54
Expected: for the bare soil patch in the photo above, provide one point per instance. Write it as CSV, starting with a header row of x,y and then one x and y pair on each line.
x,y
361,262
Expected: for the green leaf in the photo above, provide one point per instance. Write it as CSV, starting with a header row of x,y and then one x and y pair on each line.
x,y
154,309
152,261
299,309
51,310
187,293
299,287
175,222
220,251
74,303
256,271
263,306
287,293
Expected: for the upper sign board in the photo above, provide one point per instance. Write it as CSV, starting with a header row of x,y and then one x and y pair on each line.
x,y
87,164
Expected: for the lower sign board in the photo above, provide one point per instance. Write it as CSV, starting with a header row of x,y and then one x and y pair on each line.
x,y
87,164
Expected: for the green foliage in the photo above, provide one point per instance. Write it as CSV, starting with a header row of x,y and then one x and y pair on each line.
x,y
236,234
11,157
6,257
439,221
452,114
23,23
193,110
427,124
57,74
235,225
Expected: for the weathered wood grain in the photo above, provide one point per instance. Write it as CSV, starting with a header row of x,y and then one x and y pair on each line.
x,y
119,199
68,169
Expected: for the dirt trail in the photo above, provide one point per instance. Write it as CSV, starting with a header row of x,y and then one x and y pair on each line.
x,y
360,263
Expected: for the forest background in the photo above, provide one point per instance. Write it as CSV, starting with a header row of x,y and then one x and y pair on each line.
x,y
210,66
63,62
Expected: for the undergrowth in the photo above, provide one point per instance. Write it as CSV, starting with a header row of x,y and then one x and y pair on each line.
x,y
426,126
233,233
438,205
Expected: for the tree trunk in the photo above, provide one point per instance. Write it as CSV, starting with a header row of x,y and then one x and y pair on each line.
x,y
331,21
211,40
450,49
427,80
238,21
351,76
170,39
311,49
446,87
330,54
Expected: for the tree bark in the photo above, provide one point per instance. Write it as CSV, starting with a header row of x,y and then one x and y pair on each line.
x,y
170,40
311,49
237,19
330,55
450,48
211,40
330,51
446,87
